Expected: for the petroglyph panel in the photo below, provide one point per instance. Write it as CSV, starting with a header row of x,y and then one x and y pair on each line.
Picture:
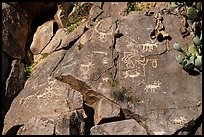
x,y
133,62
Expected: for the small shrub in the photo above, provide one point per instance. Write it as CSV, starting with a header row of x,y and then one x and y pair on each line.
x,y
123,96
113,82
44,55
28,70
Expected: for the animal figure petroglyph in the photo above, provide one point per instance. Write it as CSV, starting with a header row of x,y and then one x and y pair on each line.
x,y
147,47
102,35
152,87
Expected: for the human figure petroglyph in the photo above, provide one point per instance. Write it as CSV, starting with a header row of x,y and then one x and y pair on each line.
x,y
85,69
152,87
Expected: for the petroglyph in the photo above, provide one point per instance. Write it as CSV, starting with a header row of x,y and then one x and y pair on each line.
x,y
127,58
103,35
85,68
134,59
154,63
131,74
181,120
100,52
104,59
105,79
152,87
46,94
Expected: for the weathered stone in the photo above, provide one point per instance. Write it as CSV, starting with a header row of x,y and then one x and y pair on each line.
x,y
4,66
45,67
61,16
157,74
59,38
94,12
82,63
42,37
15,28
113,8
70,123
42,95
42,98
124,127
15,81
37,126
100,62
139,62
105,109
63,40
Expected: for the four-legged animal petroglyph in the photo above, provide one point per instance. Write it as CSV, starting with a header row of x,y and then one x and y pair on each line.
x,y
152,87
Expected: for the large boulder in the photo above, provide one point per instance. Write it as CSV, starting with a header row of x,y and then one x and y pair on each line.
x,y
42,37
124,127
15,81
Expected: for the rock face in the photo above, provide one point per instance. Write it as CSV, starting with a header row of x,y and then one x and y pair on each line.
x,y
61,16
15,81
15,29
42,37
109,65
4,66
125,127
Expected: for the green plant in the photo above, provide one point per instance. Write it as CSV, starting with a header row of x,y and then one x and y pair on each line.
x,y
44,55
122,95
28,70
192,57
113,81
192,13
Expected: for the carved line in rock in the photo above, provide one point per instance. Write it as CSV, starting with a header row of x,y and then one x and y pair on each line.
x,y
105,61
136,61
102,35
152,87
49,92
85,68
